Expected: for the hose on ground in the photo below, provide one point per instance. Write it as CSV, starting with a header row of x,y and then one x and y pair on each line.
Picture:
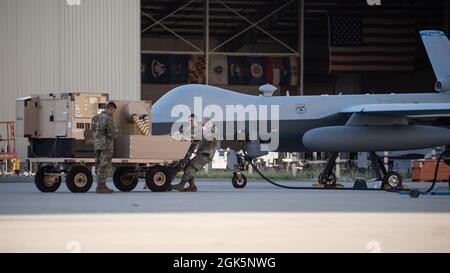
x,y
436,169
249,160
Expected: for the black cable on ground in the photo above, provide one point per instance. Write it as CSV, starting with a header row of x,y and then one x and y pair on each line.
x,y
435,172
297,188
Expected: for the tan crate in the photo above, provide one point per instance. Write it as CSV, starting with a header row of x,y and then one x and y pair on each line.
x,y
154,147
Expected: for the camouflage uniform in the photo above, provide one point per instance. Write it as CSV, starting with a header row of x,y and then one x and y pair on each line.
x,y
104,133
205,151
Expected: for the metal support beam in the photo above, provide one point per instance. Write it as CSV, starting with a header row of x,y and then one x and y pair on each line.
x,y
206,41
171,31
338,166
251,33
386,160
219,53
173,52
249,27
254,24
253,54
301,43
377,166
168,15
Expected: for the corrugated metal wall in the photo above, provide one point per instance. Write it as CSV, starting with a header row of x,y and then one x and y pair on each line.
x,y
50,46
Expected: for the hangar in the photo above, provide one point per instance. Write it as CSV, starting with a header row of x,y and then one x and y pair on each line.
x,y
301,29
142,49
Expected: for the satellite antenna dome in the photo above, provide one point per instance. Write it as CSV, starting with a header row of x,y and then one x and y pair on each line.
x,y
267,90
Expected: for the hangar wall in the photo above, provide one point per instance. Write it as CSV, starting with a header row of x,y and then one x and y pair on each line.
x,y
51,46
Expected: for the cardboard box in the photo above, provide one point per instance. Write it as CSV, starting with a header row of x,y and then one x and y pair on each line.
x,y
150,147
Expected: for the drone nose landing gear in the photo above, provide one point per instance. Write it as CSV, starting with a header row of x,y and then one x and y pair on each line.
x,y
239,180
328,179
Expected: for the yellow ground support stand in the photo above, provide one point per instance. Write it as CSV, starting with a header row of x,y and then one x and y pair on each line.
x,y
326,186
16,165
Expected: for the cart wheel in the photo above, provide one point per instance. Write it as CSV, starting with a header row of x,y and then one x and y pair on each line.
x,y
79,179
158,178
414,193
124,179
47,183
239,182
393,180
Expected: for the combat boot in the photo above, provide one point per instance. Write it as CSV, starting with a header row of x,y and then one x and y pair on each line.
x,y
103,189
192,187
179,186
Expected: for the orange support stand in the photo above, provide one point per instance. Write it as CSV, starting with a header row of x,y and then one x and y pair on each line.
x,y
423,170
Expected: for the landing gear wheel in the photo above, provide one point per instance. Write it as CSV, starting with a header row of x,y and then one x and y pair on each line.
x,y
158,178
393,179
47,182
79,179
124,179
330,180
239,182
414,193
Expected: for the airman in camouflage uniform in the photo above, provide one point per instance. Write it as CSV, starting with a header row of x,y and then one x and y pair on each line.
x,y
205,152
104,133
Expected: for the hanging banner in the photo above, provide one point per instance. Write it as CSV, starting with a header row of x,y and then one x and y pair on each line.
x,y
223,70
196,69
278,71
178,65
238,70
154,68
218,70
256,68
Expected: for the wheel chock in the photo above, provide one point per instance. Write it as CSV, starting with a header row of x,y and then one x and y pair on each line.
x,y
360,184
325,186
404,187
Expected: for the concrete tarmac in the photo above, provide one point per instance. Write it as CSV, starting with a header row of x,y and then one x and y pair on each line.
x,y
220,218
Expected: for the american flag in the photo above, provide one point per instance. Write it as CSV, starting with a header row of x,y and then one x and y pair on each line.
x,y
371,44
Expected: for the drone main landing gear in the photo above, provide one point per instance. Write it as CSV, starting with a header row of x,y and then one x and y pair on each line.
x,y
327,178
390,180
